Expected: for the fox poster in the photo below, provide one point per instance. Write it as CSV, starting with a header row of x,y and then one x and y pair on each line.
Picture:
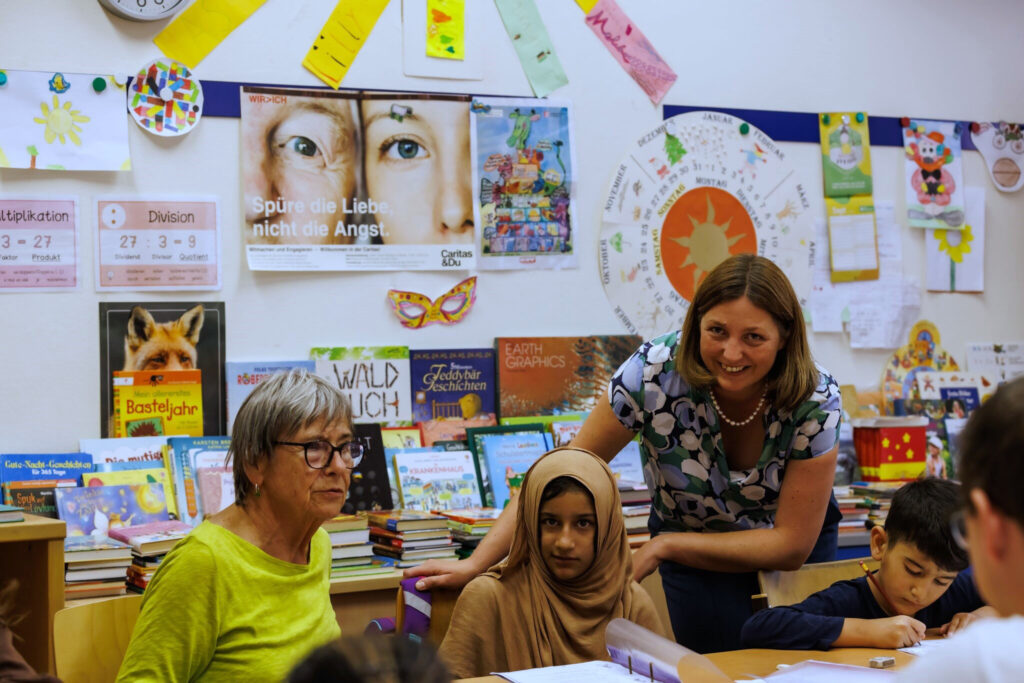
x,y
164,335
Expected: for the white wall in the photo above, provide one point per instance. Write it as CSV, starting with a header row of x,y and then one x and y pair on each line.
x,y
928,58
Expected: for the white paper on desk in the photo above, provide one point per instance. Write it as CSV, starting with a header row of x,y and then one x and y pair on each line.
x,y
593,672
814,671
925,647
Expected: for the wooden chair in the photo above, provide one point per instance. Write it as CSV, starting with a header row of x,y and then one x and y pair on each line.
x,y
442,606
788,588
90,639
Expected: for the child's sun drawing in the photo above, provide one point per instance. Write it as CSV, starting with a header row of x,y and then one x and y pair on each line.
x,y
61,122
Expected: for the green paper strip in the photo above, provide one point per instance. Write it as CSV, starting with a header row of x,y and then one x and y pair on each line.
x,y
533,45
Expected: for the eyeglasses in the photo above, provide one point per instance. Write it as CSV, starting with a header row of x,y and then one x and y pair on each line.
x,y
320,453
958,526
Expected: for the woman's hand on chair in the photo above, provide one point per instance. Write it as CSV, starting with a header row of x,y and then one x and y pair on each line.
x,y
646,559
443,573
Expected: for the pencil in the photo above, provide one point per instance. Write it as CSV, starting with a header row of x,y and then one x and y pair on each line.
x,y
871,577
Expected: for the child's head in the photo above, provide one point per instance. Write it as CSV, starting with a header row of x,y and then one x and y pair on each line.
x,y
992,468
376,658
918,555
567,528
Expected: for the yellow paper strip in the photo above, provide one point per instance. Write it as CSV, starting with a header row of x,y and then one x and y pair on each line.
x,y
202,27
446,29
586,5
341,38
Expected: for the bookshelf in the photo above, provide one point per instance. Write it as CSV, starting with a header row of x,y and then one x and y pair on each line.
x,y
34,555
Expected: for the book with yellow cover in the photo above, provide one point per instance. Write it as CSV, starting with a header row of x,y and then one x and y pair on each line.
x,y
174,397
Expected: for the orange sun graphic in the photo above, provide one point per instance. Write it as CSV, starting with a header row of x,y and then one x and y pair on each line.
x,y
703,228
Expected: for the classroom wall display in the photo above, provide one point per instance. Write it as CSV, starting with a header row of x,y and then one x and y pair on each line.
x,y
698,188
415,59
999,361
523,183
38,243
165,99
934,174
1002,146
63,121
164,335
157,242
956,258
356,181
415,310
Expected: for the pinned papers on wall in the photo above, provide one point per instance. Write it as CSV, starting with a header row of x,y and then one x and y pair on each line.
x,y
416,62
934,174
202,27
877,311
956,258
446,29
845,153
38,243
1002,146
631,49
852,238
341,38
63,122
999,361
533,46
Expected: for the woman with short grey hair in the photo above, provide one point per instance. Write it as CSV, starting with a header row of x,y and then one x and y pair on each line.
x,y
246,594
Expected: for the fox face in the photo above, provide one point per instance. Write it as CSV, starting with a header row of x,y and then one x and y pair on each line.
x,y
149,345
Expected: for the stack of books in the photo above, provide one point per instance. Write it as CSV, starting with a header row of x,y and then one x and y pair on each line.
x,y
351,550
95,566
857,511
468,526
635,517
149,544
409,537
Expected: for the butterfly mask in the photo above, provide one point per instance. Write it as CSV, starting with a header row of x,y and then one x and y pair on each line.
x,y
416,310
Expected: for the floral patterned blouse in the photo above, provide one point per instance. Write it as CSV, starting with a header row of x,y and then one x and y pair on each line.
x,y
692,487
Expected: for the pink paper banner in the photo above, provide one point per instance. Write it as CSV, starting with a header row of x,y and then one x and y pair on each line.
x,y
631,49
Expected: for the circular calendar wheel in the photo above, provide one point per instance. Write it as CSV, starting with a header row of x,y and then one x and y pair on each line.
x,y
699,188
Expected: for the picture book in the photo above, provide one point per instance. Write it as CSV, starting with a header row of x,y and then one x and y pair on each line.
x,y
370,488
553,375
11,513
35,466
216,488
94,549
473,516
97,510
187,454
452,384
375,379
508,457
453,429
152,538
125,449
627,466
401,437
345,523
475,436
172,399
562,432
141,476
37,496
138,335
406,520
545,420
243,376
389,456
437,480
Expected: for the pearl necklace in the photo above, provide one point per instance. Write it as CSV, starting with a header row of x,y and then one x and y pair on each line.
x,y
726,419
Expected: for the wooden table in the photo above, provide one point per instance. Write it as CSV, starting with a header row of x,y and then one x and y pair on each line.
x,y
32,552
744,664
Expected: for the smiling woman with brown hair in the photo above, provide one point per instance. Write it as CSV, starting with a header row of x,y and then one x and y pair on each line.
x,y
246,594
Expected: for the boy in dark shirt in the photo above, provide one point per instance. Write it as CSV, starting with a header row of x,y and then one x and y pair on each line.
x,y
920,584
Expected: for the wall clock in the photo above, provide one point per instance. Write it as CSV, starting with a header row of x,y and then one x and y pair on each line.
x,y
142,10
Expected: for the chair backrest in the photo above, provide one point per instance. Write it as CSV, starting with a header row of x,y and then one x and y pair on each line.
x,y
788,588
442,606
90,639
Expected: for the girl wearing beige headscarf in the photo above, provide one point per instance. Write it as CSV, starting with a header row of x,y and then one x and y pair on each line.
x,y
549,601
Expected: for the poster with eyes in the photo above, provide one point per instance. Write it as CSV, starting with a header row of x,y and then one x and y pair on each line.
x,y
351,180
523,183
